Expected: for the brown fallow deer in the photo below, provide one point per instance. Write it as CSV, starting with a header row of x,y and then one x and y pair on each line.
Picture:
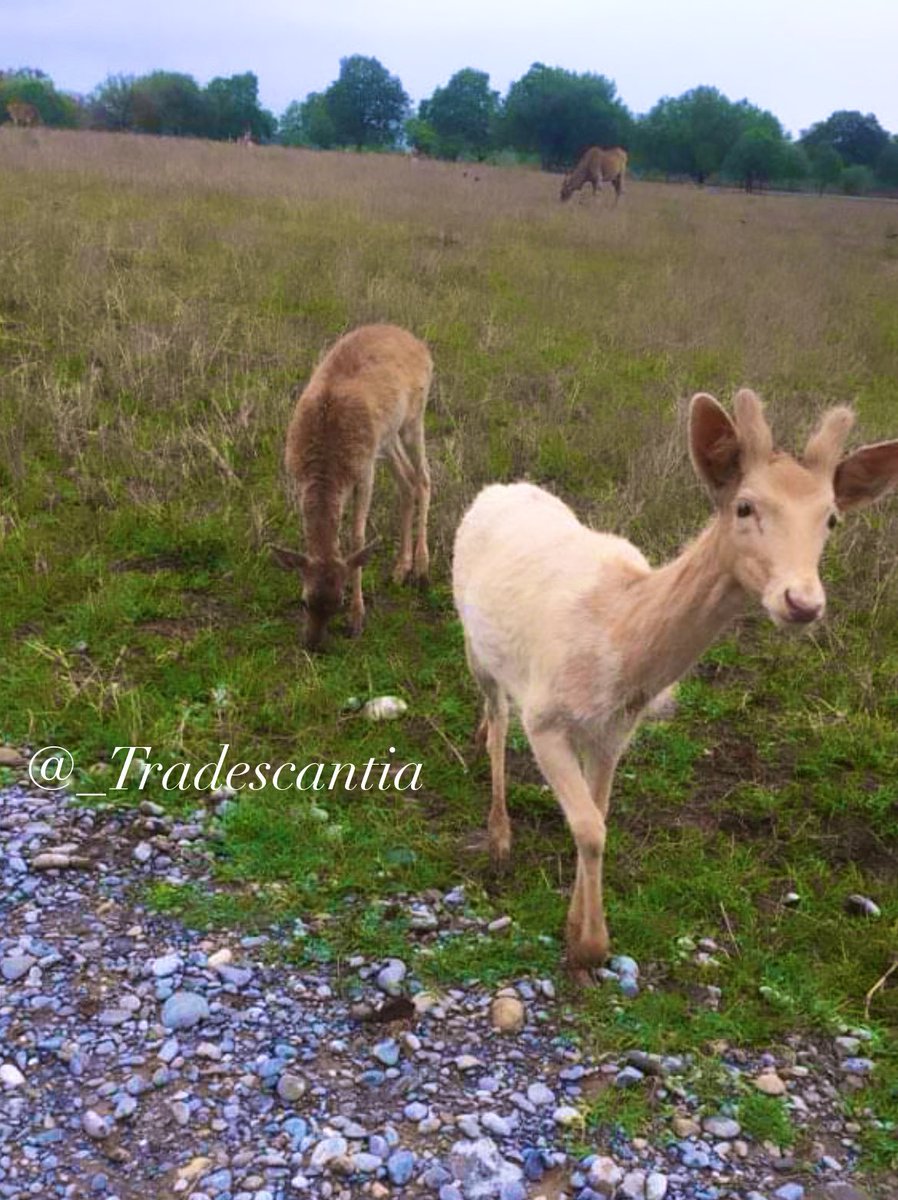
x,y
597,166
365,399
22,114
576,630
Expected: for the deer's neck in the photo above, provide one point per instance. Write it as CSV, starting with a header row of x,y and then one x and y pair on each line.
x,y
675,613
322,511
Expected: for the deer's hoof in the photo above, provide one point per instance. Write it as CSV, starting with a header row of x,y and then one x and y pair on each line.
x,y
585,951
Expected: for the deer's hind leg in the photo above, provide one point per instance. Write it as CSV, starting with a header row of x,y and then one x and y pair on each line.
x,y
493,730
413,440
405,476
363,492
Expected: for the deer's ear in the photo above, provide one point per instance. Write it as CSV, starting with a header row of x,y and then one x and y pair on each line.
x,y
361,557
864,476
713,444
290,560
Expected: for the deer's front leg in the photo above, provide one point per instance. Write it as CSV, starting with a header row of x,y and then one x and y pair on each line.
x,y
587,933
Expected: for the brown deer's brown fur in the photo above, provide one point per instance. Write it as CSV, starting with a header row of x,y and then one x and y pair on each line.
x,y
597,166
23,114
365,399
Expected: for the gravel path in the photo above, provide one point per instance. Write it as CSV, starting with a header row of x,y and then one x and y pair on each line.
x,y
139,1058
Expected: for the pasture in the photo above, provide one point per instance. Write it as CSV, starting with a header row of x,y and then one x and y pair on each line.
x,y
160,299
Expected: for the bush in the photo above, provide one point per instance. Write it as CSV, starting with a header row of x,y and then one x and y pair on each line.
x,y
857,181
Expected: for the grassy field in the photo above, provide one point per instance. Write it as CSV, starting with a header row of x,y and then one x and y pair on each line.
x,y
158,302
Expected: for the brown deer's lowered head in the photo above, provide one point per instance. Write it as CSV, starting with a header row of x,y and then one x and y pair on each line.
x,y
324,584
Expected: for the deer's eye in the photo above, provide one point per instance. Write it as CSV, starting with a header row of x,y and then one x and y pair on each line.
x,y
744,508
833,521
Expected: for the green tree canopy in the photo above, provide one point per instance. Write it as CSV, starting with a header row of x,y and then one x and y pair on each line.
x,y
462,114
857,139
29,85
232,107
756,157
558,114
111,105
887,164
167,102
366,104
308,123
826,166
692,134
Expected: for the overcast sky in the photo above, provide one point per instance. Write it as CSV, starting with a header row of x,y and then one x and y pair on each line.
x,y
802,59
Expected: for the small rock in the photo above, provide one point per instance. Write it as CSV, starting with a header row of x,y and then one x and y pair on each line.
x,y
387,1052
95,1126
789,1191
194,1169
722,1127
142,852
628,1077
167,965
686,1127
540,1095
604,1175
10,1076
846,1046
290,1087
328,1149
566,1116
633,1185
390,977
770,1084
17,965
493,1123
507,1014
400,1166
656,1186
862,906
856,1066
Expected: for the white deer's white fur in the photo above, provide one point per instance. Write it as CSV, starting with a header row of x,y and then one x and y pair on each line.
x,y
576,629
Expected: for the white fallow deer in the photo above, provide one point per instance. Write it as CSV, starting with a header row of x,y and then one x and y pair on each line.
x,y
576,630
365,399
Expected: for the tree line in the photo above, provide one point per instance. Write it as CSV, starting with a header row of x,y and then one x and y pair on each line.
x,y
549,116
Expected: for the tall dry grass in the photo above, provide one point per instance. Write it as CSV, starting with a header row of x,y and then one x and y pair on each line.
x,y
159,298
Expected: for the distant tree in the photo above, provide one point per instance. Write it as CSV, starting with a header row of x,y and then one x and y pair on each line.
x,y
462,114
794,164
308,123
167,102
111,105
857,139
887,164
692,134
29,85
232,107
422,136
366,104
857,180
558,114
756,157
826,166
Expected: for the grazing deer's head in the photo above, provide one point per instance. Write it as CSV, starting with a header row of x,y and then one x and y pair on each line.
x,y
776,512
567,188
323,585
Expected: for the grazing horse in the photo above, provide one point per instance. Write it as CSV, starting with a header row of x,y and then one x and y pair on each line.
x,y
597,166
22,114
